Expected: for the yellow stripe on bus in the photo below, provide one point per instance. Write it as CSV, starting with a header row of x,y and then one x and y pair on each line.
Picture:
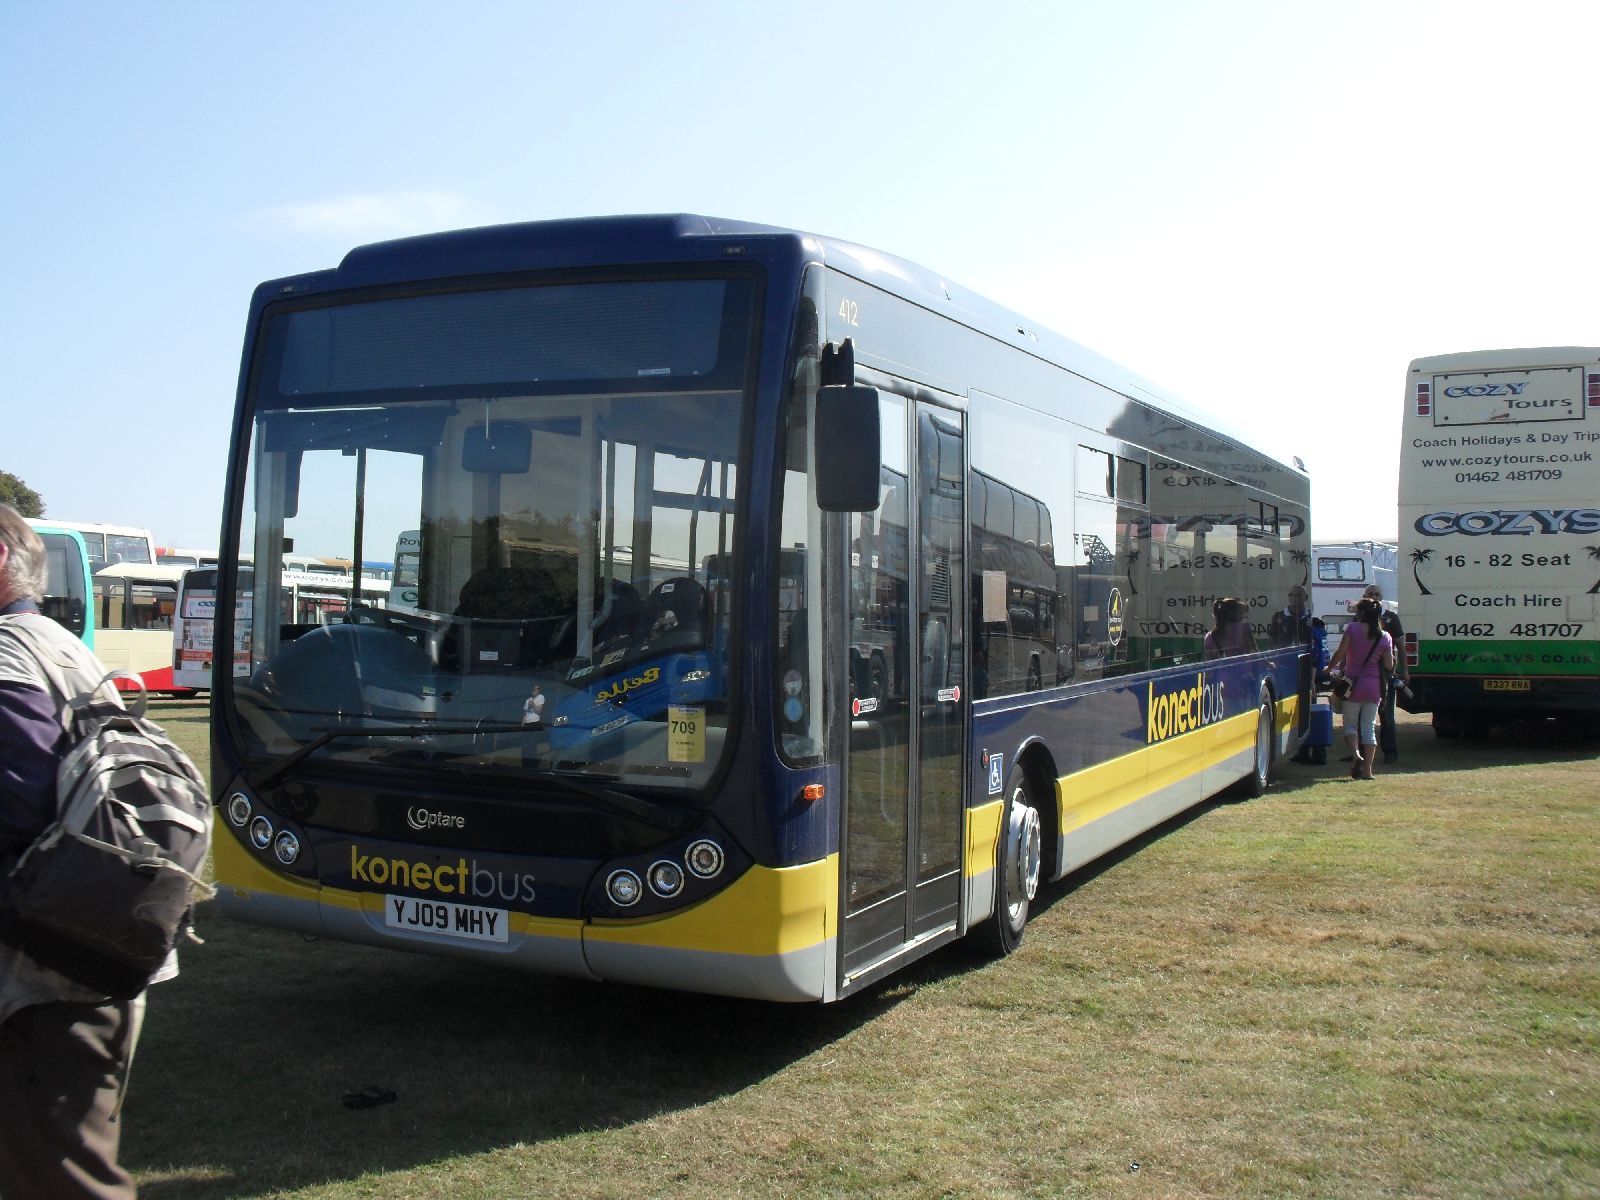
x,y
983,836
242,876
766,911
236,871
1100,790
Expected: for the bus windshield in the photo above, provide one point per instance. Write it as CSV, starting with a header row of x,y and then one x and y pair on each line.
x,y
560,465
66,591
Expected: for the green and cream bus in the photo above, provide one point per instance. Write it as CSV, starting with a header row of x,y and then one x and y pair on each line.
x,y
1500,536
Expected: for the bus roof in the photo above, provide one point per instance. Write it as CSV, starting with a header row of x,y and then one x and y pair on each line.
x,y
622,240
1481,360
144,572
41,525
94,526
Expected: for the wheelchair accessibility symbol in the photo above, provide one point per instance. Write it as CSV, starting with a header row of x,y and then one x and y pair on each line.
x,y
996,774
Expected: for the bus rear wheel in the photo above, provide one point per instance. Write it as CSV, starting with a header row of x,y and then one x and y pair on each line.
x,y
1017,868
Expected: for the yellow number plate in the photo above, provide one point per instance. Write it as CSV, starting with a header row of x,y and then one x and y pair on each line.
x,y
1507,685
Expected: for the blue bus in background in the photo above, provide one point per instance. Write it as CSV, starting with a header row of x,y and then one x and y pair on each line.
x,y
775,610
69,585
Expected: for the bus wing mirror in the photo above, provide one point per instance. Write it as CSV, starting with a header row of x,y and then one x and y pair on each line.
x,y
848,448
503,448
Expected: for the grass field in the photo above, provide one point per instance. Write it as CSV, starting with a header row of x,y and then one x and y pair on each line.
x,y
1343,989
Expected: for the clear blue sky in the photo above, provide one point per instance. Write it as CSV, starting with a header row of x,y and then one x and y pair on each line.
x,y
1268,208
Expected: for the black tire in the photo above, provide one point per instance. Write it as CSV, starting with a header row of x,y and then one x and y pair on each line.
x,y
878,679
1254,785
1017,867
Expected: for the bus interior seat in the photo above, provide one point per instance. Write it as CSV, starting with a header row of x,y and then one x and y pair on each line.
x,y
676,610
348,668
523,613
619,618
512,594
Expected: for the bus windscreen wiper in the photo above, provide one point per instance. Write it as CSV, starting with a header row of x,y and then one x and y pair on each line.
x,y
654,813
329,735
650,812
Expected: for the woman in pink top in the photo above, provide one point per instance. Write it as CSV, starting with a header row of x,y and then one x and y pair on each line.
x,y
1364,655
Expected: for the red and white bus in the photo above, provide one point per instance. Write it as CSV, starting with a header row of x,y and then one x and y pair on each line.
x,y
135,603
306,599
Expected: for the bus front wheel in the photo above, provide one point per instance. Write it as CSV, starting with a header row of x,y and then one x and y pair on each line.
x,y
1017,869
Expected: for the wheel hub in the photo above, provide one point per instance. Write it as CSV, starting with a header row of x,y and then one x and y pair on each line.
x,y
1023,835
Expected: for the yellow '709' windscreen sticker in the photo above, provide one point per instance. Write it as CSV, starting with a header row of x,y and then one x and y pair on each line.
x,y
686,734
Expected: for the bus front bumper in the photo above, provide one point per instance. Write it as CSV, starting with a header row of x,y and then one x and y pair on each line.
x,y
766,936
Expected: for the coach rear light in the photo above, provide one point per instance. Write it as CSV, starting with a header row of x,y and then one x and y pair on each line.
x,y
624,888
261,833
704,858
239,810
286,847
666,878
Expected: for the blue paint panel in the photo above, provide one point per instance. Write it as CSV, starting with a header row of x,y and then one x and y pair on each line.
x,y
1084,725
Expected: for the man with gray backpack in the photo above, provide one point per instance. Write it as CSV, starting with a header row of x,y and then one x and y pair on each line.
x,y
104,827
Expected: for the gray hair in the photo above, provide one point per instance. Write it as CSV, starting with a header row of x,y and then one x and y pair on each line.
x,y
25,567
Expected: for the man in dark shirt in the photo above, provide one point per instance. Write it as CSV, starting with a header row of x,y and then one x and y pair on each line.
x,y
30,729
1291,624
64,1049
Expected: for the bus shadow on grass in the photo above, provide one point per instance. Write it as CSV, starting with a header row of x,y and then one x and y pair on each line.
x,y
274,1062
1514,743
1422,752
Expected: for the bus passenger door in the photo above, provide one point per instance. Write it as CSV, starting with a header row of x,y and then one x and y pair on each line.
x,y
904,787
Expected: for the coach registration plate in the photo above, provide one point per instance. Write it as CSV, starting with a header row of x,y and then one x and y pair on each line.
x,y
444,919
1506,685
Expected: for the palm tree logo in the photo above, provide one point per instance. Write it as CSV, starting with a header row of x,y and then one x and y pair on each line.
x,y
1418,557
1303,557
1594,553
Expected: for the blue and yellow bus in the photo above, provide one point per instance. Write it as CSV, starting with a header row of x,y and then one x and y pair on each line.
x,y
676,487
68,589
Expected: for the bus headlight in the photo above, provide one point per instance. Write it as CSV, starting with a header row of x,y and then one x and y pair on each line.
x,y
239,810
704,858
261,833
624,888
666,878
286,847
